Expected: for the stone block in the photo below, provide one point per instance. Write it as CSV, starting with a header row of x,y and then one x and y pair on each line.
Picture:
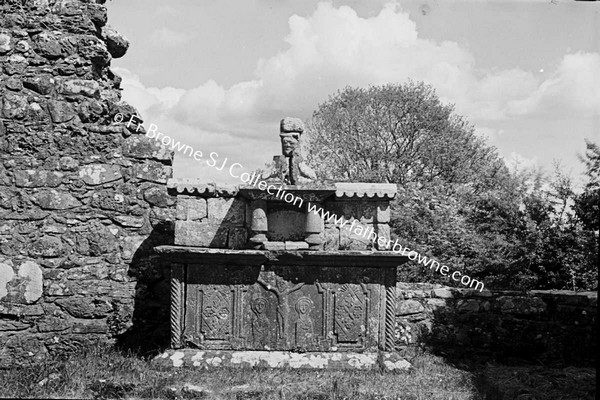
x,y
20,284
293,246
73,87
46,246
238,238
60,111
274,246
40,84
191,208
357,238
8,325
202,234
152,172
109,199
90,326
143,147
37,178
383,237
230,211
98,174
521,305
14,106
129,221
469,305
85,307
444,293
332,238
406,307
5,45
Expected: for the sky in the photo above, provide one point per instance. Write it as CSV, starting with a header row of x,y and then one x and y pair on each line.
x,y
218,75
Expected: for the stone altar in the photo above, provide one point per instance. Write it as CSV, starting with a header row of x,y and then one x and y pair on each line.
x,y
259,280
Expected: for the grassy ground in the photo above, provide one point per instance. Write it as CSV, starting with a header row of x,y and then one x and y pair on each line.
x,y
102,373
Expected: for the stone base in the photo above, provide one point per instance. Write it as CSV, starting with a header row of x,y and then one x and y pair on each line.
x,y
281,359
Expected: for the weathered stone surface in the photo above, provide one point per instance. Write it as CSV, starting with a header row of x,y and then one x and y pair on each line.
x,y
64,181
60,111
204,234
46,246
152,172
332,238
14,106
289,124
37,178
521,305
143,147
73,87
50,199
357,238
226,211
85,307
20,284
40,84
406,307
116,42
158,197
13,325
5,43
98,174
238,238
279,359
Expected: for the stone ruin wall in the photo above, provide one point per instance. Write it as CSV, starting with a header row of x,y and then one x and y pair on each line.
x,y
542,326
83,201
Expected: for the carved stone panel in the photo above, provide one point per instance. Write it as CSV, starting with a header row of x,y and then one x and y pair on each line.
x,y
293,308
216,312
350,313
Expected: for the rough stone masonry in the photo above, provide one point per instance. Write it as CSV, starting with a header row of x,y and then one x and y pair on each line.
x,y
82,201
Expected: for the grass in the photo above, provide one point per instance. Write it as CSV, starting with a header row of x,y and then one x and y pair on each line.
x,y
103,373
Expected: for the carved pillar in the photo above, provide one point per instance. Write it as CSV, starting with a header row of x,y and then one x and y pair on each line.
x,y
258,225
177,301
390,310
313,229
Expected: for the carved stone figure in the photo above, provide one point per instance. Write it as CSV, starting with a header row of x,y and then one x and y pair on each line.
x,y
290,166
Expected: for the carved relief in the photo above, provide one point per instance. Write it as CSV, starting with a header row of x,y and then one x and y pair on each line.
x,y
349,311
261,332
304,324
216,312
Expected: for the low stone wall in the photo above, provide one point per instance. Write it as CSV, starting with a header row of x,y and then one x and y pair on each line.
x,y
546,326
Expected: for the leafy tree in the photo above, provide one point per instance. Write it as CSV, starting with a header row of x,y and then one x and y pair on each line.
x,y
587,204
457,201
398,134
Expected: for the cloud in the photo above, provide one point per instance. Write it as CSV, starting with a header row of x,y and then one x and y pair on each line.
x,y
335,47
170,38
573,89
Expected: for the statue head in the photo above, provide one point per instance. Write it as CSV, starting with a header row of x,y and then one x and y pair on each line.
x,y
290,131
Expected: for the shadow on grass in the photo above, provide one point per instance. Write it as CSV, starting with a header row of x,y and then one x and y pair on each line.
x,y
517,356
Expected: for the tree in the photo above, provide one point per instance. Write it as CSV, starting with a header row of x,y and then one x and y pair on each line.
x,y
397,134
457,201
587,204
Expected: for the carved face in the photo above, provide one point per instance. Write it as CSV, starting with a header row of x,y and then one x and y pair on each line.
x,y
289,144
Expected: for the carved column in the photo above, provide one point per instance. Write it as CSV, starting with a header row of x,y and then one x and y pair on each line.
x,y
313,229
390,309
259,224
177,301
